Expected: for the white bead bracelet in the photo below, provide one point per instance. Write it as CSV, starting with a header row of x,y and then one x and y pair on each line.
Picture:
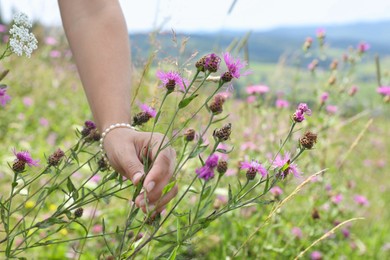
x,y
104,134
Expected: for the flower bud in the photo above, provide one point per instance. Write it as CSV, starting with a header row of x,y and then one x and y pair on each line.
x,y
308,140
223,133
216,107
227,76
141,118
79,213
222,167
18,166
55,158
189,135
251,174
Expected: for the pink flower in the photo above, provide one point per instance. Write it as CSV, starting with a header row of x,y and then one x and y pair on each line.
x,y
248,145
206,172
300,112
3,28
28,102
257,89
97,229
254,166
331,109
336,199
352,91
316,255
324,97
4,97
276,191
384,90
148,110
297,232
361,200
320,33
234,66
55,54
251,99
281,103
363,47
171,79
50,41
25,157
43,122
283,162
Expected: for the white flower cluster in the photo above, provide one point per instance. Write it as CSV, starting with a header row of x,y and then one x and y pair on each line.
x,y
21,40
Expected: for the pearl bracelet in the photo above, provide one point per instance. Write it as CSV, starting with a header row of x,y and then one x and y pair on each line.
x,y
104,134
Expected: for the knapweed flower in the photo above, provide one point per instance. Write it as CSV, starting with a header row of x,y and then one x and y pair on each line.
x,y
316,255
144,116
302,109
312,65
4,97
320,33
21,40
361,200
297,232
307,43
331,109
363,47
189,135
88,127
234,68
170,80
336,199
50,41
222,167
285,166
3,28
23,158
252,168
56,157
257,89
281,103
206,172
324,97
384,90
276,191
209,63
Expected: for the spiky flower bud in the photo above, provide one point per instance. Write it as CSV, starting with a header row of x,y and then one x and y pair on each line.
x,y
308,140
79,213
141,118
334,65
103,165
251,174
18,166
200,64
93,136
332,80
315,214
88,127
223,133
209,63
222,167
227,76
56,157
189,135
216,107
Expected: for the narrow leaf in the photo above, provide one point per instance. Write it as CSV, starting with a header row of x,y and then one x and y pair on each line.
x,y
185,102
168,187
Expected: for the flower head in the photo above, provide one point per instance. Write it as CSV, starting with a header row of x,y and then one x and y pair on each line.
x,y
316,255
21,40
331,109
297,232
148,110
324,97
4,97
209,63
254,167
300,112
23,158
320,33
206,172
171,79
284,163
352,91
281,103
257,89
384,90
336,199
361,200
234,65
363,47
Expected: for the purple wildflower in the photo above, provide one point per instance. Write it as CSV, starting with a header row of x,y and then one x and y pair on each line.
x,y
257,89
281,103
211,62
276,191
361,200
148,110
90,125
331,109
316,255
297,232
254,166
300,112
320,33
234,66
171,79
324,97
206,172
284,162
363,47
24,156
336,199
4,97
384,90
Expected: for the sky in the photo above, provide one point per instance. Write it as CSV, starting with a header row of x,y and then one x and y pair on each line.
x,y
213,15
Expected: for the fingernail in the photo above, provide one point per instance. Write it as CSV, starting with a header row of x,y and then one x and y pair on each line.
x,y
150,186
137,177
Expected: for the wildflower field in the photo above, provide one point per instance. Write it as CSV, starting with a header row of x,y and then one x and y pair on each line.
x,y
273,161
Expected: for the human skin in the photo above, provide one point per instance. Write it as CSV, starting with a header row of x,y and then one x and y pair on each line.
x,y
97,35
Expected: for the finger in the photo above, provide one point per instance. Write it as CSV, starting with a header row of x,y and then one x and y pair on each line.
x,y
131,166
160,174
157,206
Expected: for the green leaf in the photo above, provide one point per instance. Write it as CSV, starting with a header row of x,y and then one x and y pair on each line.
x,y
185,102
50,222
206,193
225,151
82,225
157,116
198,151
221,119
173,254
266,185
72,190
2,75
168,187
74,155
230,194
178,228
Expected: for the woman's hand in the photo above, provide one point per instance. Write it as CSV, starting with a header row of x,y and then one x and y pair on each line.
x,y
126,148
